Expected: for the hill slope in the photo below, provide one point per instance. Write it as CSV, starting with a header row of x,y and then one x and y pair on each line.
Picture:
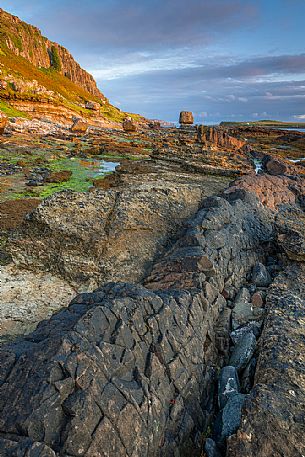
x,y
36,72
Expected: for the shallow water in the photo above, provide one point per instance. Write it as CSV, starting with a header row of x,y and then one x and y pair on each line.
x,y
83,173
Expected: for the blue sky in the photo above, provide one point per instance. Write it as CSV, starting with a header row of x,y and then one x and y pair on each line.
x,y
221,59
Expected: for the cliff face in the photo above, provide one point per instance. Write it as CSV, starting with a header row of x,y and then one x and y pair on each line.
x,y
27,41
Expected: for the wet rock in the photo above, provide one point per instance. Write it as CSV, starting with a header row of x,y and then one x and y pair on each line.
x,y
260,275
247,377
243,351
243,313
38,176
7,169
186,118
230,417
228,385
79,126
59,176
254,327
129,125
243,296
210,448
275,167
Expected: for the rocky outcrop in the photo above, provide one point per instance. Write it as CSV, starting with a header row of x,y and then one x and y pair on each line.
x,y
3,123
129,125
114,234
26,41
121,371
219,138
272,424
79,126
290,225
186,118
272,190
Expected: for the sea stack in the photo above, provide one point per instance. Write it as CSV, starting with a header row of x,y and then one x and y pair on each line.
x,y
186,118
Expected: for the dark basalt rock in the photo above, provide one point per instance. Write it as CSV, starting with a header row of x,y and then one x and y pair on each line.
x,y
228,385
231,414
243,351
129,370
290,226
261,276
273,420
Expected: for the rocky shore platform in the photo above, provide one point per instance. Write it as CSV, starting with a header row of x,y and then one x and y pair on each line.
x,y
185,336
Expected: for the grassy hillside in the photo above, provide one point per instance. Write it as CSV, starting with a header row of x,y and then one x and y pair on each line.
x,y
31,69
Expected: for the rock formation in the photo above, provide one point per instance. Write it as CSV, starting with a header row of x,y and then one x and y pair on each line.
x,y
186,118
272,423
129,125
196,344
26,41
121,370
79,126
3,123
113,234
218,138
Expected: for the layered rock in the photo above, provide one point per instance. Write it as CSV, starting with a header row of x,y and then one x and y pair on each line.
x,y
26,41
114,234
129,125
121,371
272,190
272,424
219,138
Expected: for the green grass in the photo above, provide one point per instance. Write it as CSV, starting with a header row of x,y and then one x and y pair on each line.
x,y
10,111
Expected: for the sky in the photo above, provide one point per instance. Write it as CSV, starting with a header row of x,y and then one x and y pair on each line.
x,y
225,60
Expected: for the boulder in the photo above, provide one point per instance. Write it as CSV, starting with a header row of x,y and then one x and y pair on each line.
x,y
229,419
186,118
59,176
260,275
129,125
243,313
94,106
243,351
257,300
228,385
210,448
3,122
254,327
79,126
275,167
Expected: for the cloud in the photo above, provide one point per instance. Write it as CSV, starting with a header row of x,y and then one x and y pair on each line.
x,y
138,24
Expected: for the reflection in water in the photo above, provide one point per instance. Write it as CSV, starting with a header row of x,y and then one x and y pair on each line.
x,y
301,159
97,167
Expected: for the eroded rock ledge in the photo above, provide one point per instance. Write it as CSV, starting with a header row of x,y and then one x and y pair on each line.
x,y
273,419
129,371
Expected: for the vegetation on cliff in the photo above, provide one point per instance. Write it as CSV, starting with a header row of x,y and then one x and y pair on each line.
x,y
34,69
